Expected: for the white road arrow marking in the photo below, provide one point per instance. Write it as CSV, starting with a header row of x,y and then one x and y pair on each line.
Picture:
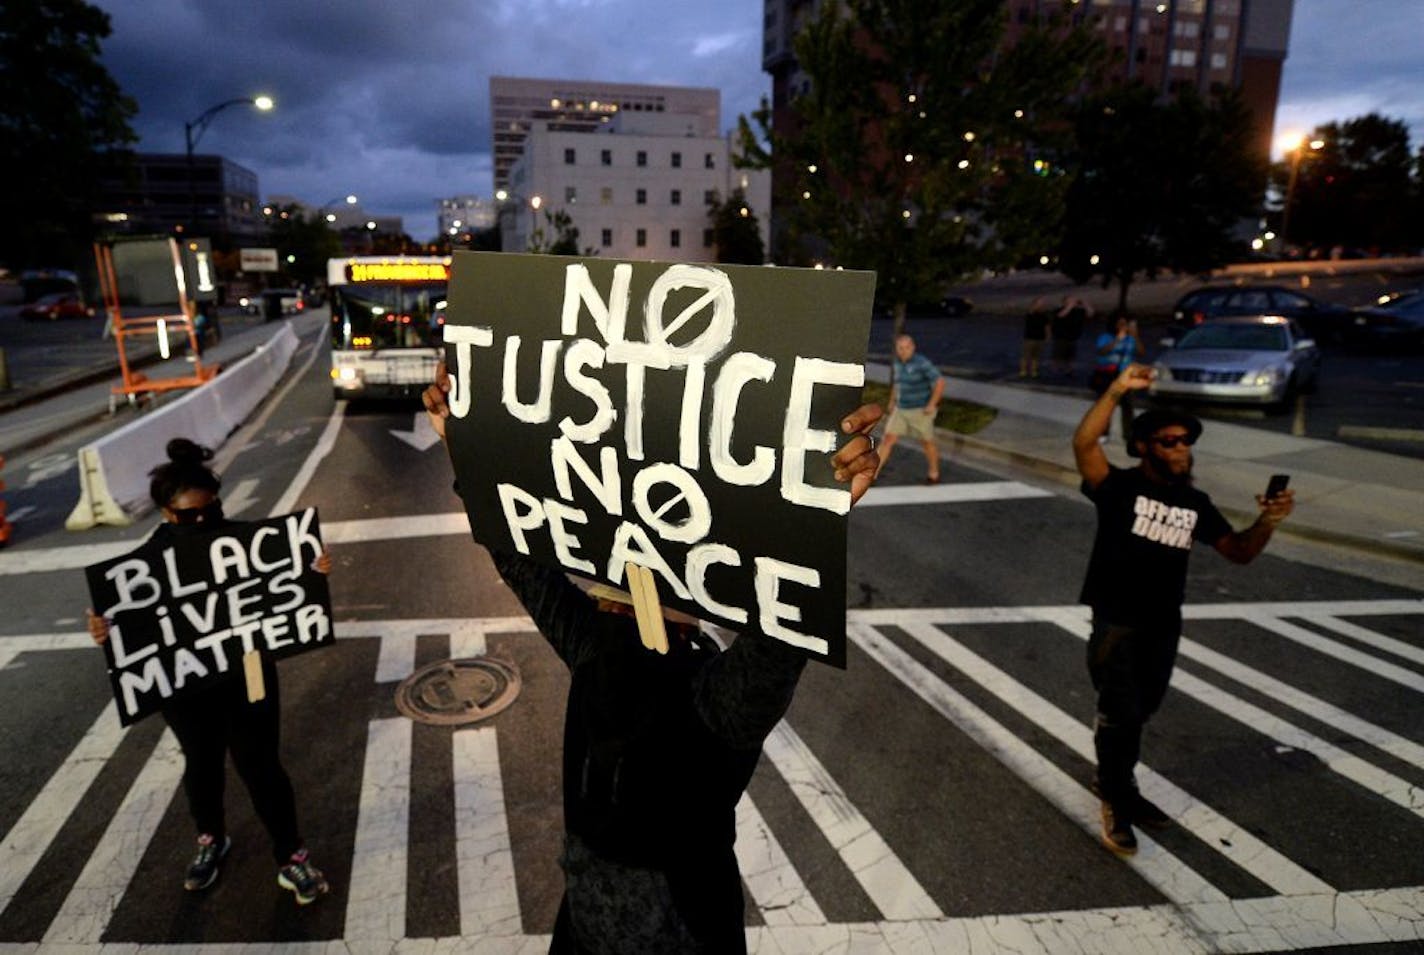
x,y
241,498
421,436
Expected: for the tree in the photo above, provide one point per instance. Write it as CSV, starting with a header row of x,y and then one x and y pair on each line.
x,y
557,236
1355,190
1158,185
304,242
913,150
60,113
735,232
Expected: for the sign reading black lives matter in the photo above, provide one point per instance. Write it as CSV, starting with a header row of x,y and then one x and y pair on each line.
x,y
678,416
184,608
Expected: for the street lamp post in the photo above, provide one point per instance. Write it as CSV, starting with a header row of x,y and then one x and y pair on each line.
x,y
1293,144
193,131
502,196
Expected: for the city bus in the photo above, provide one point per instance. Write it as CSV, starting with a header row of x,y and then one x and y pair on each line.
x,y
387,323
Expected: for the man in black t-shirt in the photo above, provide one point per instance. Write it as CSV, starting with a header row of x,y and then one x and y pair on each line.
x,y
1148,518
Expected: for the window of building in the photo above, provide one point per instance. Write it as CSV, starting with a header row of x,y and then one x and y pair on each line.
x,y
707,238
570,194
606,157
607,238
1221,31
1218,61
675,238
1183,58
709,161
569,157
642,157
675,197
642,197
709,197
640,238
605,195
677,160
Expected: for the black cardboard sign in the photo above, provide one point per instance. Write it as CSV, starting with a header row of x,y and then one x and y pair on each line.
x,y
185,607
680,416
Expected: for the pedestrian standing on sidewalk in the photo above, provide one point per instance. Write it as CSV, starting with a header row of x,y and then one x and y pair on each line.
x,y
1116,348
658,748
1148,518
915,392
209,725
1066,327
1035,333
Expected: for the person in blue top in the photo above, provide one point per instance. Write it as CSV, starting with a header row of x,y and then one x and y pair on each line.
x,y
1116,348
916,389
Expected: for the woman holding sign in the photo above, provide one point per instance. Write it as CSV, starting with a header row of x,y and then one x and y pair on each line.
x,y
211,724
661,737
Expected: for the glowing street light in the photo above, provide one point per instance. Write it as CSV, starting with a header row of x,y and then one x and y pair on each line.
x,y
1293,144
193,131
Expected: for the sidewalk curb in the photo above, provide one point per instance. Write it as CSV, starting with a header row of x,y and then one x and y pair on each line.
x,y
1068,477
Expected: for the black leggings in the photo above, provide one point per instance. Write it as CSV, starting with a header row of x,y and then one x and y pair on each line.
x,y
1130,667
211,724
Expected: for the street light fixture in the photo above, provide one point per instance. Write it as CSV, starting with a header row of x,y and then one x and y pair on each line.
x,y
193,131
350,200
1293,145
503,196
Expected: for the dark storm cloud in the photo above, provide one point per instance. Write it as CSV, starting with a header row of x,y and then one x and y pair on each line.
x,y
391,100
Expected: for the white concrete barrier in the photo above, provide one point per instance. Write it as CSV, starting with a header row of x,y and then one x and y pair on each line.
x,y
113,471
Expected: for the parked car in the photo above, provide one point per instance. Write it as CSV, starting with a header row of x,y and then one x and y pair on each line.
x,y
1256,359
57,305
1396,321
956,305
273,303
1324,321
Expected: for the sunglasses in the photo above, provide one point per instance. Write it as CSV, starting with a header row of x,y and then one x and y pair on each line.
x,y
1172,440
194,515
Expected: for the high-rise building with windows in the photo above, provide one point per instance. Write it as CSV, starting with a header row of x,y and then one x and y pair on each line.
x,y
1169,44
582,106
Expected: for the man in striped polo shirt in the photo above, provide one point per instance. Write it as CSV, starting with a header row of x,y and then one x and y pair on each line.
x,y
914,401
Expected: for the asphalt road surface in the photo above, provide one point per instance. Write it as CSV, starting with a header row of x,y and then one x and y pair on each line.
x,y
931,797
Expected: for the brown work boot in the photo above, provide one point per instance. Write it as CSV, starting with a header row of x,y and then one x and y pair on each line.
x,y
1117,832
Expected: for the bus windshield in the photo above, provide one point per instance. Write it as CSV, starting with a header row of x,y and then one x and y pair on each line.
x,y
388,315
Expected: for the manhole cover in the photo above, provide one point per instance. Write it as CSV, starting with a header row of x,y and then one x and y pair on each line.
x,y
452,692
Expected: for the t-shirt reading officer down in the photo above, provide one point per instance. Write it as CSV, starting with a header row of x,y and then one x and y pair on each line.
x,y
1138,570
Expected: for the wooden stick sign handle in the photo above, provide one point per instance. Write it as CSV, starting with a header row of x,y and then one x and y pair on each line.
x,y
252,670
647,607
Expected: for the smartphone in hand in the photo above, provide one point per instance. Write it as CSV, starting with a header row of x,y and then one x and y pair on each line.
x,y
1277,484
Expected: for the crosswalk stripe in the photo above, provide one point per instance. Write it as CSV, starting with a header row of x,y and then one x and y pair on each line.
x,y
1333,648
1236,844
1164,871
1358,771
895,892
375,907
883,495
1405,750
106,876
484,857
775,885
33,832
1377,640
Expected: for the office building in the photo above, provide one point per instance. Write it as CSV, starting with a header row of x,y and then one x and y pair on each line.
x,y
638,188
162,193
518,103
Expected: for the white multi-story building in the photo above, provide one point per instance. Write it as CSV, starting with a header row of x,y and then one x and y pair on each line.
x,y
637,188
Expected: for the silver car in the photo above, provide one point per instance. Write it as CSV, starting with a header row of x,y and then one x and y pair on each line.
x,y
1256,359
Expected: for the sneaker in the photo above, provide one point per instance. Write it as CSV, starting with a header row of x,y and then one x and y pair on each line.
x,y
1149,815
203,871
302,878
1117,831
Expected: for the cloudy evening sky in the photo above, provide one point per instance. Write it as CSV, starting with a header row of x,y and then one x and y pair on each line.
x,y
390,101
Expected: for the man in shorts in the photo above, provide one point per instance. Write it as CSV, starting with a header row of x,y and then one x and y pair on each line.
x,y
914,401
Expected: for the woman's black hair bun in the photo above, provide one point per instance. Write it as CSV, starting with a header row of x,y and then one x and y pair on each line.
x,y
184,451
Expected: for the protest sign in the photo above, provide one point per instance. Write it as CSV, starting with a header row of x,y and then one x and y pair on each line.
x,y
187,604
681,417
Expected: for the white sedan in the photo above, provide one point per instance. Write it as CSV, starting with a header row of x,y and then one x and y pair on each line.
x,y
1256,359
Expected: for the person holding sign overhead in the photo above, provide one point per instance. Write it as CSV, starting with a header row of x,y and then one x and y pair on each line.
x,y
224,718
662,732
